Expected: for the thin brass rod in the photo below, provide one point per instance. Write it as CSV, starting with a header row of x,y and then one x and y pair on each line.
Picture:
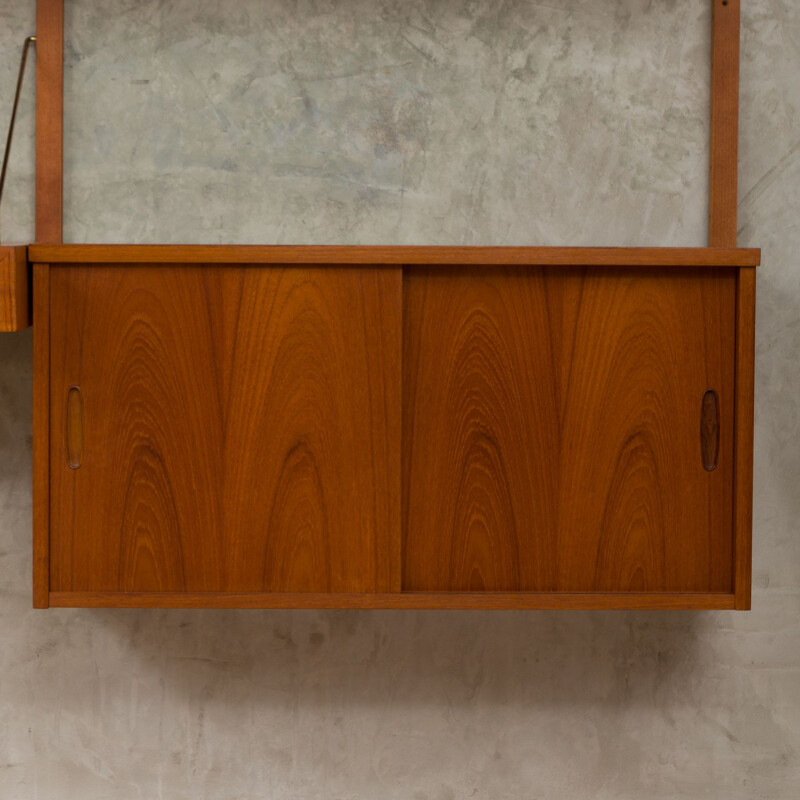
x,y
30,40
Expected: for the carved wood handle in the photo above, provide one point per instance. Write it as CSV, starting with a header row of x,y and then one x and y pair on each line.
x,y
74,427
709,430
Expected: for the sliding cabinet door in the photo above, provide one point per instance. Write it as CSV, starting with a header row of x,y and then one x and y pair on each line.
x,y
225,428
568,429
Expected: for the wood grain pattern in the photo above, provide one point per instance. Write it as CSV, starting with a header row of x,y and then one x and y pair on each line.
x,y
49,119
456,256
724,146
406,600
745,406
41,435
15,311
242,429
550,431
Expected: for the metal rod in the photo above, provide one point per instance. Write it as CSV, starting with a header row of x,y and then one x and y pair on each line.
x,y
30,40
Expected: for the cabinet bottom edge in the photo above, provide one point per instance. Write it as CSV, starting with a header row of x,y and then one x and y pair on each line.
x,y
400,600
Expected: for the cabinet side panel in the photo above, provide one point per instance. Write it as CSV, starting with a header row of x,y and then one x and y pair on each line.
x,y
552,430
241,428
745,383
41,435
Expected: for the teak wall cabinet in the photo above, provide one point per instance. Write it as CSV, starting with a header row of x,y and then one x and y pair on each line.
x,y
390,427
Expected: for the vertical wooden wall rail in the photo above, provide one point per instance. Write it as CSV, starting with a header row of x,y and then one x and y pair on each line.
x,y
722,229
723,179
49,119
49,201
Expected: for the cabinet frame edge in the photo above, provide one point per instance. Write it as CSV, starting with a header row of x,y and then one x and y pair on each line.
x,y
41,436
476,601
744,408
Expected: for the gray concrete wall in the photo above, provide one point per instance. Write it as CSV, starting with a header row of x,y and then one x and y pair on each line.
x,y
428,121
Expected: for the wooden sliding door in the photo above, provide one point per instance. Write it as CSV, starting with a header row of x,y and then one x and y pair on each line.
x,y
225,428
568,429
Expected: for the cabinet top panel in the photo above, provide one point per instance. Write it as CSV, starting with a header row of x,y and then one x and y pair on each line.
x,y
378,254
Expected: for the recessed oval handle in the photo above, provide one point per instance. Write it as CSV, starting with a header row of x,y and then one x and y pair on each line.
x,y
709,430
74,425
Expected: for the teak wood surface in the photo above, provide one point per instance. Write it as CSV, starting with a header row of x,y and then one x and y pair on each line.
x,y
41,435
396,254
49,119
551,430
549,601
239,429
722,232
407,436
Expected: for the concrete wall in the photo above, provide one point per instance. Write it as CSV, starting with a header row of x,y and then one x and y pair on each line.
x,y
427,121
